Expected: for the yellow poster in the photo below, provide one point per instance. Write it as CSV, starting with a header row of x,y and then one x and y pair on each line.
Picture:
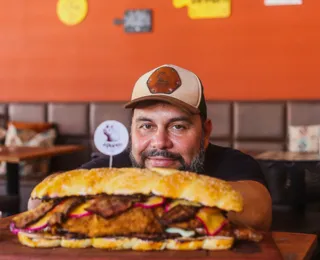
x,y
203,9
72,12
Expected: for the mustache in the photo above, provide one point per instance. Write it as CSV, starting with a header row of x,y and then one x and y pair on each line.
x,y
162,153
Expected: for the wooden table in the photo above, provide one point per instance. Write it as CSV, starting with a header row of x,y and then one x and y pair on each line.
x,y
291,245
13,155
287,156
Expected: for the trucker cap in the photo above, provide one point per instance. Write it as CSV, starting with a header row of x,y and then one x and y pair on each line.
x,y
171,84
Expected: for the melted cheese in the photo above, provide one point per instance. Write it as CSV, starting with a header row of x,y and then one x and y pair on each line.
x,y
43,222
154,200
80,210
151,202
182,202
212,219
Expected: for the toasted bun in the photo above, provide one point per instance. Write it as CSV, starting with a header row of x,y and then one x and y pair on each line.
x,y
169,183
128,244
207,243
37,242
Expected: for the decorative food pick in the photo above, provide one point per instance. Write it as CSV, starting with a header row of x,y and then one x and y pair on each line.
x,y
111,138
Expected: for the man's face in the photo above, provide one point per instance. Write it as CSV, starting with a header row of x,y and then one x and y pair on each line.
x,y
166,136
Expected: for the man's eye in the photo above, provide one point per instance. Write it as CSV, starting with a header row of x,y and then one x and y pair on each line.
x,y
179,127
146,126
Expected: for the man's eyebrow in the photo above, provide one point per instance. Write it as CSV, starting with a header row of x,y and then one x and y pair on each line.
x,y
174,119
180,118
142,119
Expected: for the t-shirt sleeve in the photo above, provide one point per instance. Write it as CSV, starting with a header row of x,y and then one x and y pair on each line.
x,y
239,166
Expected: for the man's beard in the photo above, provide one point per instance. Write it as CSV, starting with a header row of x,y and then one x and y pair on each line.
x,y
197,163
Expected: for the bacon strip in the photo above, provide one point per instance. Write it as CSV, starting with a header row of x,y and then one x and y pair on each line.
x,y
179,213
110,206
67,205
31,216
247,234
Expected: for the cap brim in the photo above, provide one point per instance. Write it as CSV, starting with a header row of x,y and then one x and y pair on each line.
x,y
171,100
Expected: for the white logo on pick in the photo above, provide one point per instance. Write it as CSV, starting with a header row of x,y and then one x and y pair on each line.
x,y
111,138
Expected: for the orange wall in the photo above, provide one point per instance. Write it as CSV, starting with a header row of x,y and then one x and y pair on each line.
x,y
258,53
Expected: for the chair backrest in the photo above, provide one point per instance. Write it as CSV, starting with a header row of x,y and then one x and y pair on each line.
x,y
3,120
37,127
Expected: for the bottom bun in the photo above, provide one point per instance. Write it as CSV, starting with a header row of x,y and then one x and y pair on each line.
x,y
125,243
207,243
32,241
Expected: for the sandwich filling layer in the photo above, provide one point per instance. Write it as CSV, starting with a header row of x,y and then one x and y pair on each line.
x,y
139,216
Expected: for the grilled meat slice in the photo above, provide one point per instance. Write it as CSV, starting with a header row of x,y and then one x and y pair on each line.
x,y
150,237
110,206
66,206
247,234
31,216
155,237
191,224
74,236
178,213
133,221
226,231
240,233
158,211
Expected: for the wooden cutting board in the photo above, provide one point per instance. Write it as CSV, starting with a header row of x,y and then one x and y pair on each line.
x,y
10,249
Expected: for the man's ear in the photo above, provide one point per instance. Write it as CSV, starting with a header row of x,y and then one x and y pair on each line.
x,y
207,127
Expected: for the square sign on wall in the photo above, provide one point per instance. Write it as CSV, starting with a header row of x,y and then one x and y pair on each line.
x,y
138,20
282,2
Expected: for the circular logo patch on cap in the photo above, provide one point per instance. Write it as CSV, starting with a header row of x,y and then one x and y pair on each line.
x,y
164,80
111,137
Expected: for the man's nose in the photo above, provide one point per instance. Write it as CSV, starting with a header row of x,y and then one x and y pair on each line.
x,y
161,140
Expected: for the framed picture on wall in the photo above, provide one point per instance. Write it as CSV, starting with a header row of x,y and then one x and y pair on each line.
x,y
139,20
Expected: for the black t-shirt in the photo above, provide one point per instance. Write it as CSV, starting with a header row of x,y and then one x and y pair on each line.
x,y
220,162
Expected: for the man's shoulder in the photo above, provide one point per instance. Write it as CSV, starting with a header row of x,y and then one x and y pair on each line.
x,y
102,161
232,164
228,153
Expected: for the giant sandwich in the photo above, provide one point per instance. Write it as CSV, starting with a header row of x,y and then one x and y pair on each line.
x,y
135,209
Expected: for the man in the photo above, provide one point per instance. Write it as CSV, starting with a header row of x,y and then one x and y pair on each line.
x,y
170,129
